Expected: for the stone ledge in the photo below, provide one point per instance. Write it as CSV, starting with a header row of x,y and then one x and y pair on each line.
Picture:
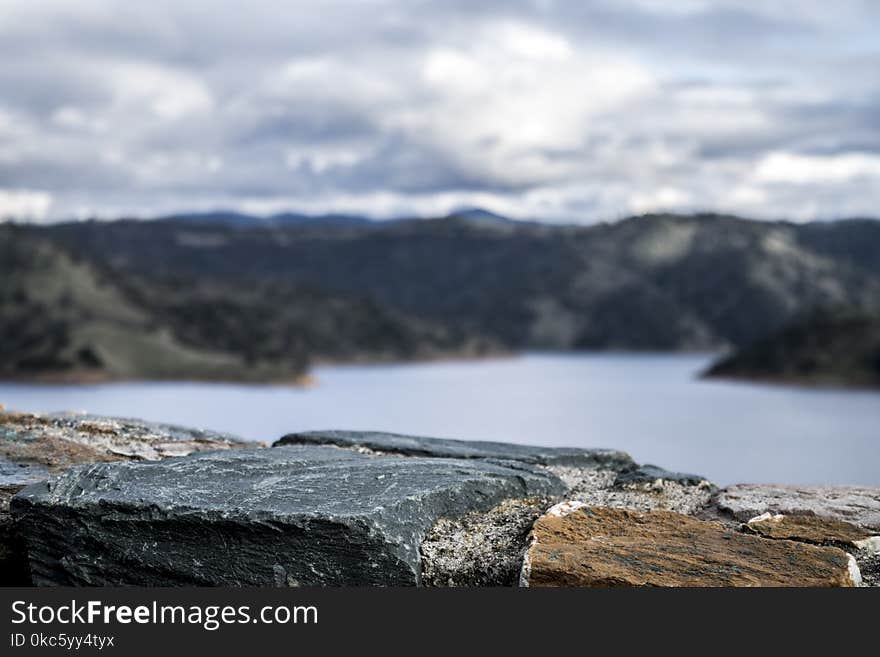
x,y
578,545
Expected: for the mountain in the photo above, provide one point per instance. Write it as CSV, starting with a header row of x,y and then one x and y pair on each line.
x,y
64,317
829,348
453,285
480,217
476,216
240,220
653,282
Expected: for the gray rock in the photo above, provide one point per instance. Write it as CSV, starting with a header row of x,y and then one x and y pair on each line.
x,y
33,447
597,487
305,515
857,505
18,475
392,443
13,560
651,474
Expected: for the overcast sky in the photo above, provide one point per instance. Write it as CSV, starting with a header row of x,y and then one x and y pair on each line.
x,y
575,111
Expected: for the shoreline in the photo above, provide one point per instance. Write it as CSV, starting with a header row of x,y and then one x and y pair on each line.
x,y
310,378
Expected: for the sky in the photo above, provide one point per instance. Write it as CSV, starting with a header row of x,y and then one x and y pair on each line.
x,y
559,111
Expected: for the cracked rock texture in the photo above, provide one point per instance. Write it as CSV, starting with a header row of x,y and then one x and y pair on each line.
x,y
301,515
857,505
608,488
13,560
487,548
578,545
33,447
61,440
480,549
808,529
391,443
823,531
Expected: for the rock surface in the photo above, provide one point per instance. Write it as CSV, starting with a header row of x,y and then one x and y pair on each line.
x,y
391,443
33,447
13,561
61,440
859,542
598,487
856,505
597,476
578,545
808,529
480,549
651,474
302,515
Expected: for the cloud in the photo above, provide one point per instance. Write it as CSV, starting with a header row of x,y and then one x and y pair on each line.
x,y
560,111
781,167
24,204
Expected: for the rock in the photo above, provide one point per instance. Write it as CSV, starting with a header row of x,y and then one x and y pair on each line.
x,y
578,545
13,561
808,529
58,441
487,548
33,447
654,475
480,548
18,475
391,443
597,476
597,487
824,531
859,506
299,515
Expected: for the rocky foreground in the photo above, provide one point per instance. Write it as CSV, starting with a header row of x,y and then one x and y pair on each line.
x,y
89,501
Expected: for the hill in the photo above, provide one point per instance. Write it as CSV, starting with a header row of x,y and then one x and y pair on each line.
x,y
275,296
63,317
828,348
653,282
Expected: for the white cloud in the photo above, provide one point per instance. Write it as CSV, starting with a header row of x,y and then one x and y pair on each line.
x,y
663,198
73,118
167,93
782,167
511,97
24,204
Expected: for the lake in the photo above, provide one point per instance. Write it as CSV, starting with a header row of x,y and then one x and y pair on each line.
x,y
652,406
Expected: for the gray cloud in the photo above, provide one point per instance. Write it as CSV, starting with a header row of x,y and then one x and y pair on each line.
x,y
563,111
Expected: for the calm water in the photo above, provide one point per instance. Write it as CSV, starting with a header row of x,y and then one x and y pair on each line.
x,y
649,405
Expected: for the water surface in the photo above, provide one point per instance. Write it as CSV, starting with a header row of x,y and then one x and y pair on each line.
x,y
649,405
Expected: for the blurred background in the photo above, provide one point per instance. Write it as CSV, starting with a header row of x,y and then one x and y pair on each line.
x,y
634,224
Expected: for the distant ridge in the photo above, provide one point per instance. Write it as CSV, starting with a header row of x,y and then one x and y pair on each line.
x,y
472,215
241,220
339,289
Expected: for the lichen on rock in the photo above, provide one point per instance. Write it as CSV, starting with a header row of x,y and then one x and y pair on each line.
x,y
608,488
480,549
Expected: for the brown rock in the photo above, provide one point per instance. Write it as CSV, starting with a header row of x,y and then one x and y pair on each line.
x,y
808,529
577,545
824,531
